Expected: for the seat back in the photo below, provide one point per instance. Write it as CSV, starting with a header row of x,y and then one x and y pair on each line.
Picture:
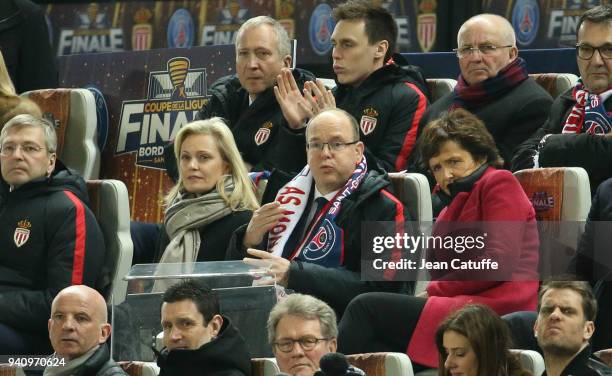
x,y
413,191
264,367
74,113
561,198
110,204
382,364
555,83
140,368
329,83
531,361
439,87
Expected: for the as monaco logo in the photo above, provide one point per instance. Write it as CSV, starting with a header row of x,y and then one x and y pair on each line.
x,y
22,233
368,121
262,136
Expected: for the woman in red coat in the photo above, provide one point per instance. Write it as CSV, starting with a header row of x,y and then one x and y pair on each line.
x,y
463,158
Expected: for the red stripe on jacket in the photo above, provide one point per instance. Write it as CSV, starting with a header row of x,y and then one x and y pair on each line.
x,y
396,254
411,135
78,264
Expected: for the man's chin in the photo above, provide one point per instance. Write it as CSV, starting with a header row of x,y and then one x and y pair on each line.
x,y
302,370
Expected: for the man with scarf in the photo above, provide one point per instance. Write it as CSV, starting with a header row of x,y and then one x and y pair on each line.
x,y
494,84
311,232
578,130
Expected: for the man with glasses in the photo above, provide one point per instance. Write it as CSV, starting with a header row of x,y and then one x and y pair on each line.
x,y
578,130
494,84
49,239
198,340
311,232
301,329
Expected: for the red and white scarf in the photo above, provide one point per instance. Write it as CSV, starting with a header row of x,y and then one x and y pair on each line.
x,y
589,114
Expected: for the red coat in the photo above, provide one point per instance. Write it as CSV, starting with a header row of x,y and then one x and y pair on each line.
x,y
496,196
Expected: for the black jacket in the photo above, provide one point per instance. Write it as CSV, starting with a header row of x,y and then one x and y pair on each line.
x,y
585,365
227,355
593,261
63,246
591,152
395,97
99,364
510,119
24,42
215,236
337,286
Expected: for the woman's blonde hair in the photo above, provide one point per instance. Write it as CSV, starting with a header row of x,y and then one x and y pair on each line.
x,y
6,85
243,196
11,104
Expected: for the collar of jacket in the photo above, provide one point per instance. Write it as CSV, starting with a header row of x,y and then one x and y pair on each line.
x,y
465,184
12,15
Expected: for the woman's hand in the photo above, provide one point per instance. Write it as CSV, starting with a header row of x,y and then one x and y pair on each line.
x,y
264,219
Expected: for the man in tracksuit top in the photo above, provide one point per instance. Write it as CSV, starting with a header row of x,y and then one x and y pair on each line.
x,y
376,86
49,239
246,100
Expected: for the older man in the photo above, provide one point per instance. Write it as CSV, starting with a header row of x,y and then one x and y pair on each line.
x,y
375,85
246,100
79,329
197,339
494,84
311,232
49,239
565,324
301,329
578,130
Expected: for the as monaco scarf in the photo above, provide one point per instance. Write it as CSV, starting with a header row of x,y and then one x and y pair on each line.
x,y
323,242
589,114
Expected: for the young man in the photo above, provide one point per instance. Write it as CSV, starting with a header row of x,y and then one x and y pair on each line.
x,y
376,86
197,339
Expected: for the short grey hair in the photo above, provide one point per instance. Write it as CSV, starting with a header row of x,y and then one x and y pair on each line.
x,y
26,120
502,24
306,307
283,43
341,112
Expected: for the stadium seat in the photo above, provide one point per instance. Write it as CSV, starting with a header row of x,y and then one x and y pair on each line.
x,y
382,364
329,83
140,368
555,83
264,367
413,191
439,87
110,204
561,197
74,114
531,360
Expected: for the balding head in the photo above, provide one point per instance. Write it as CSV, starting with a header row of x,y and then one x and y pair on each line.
x,y
480,31
78,321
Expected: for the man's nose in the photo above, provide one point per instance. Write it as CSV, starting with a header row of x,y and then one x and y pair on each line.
x,y
175,334
597,59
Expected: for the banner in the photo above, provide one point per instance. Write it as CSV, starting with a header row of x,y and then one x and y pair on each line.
x,y
149,95
542,23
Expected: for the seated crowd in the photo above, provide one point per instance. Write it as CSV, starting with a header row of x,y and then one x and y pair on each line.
x,y
329,154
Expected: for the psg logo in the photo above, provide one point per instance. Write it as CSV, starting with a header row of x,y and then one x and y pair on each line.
x,y
322,243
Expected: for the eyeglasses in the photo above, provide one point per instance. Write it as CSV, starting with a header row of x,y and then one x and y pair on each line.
x,y
307,343
333,146
485,49
8,150
586,52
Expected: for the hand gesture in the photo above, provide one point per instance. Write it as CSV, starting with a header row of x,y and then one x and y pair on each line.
x,y
278,266
318,96
264,219
294,106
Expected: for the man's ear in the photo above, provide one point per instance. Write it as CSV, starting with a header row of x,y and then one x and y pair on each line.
x,y
381,49
105,331
51,165
535,327
589,329
513,53
287,61
215,325
333,345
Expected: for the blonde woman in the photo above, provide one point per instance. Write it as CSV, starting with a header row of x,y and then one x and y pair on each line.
x,y
212,198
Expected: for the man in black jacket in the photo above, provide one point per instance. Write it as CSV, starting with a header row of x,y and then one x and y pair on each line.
x,y
49,239
79,329
246,100
311,232
197,339
494,84
565,324
578,129
375,86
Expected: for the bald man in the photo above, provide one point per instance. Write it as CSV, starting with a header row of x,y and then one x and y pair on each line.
x,y
78,330
494,84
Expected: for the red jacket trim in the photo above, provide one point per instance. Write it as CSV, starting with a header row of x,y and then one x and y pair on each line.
x,y
411,135
396,254
78,264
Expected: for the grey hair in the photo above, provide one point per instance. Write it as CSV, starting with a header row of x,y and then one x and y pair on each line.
x,y
26,120
283,43
349,117
306,307
502,24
